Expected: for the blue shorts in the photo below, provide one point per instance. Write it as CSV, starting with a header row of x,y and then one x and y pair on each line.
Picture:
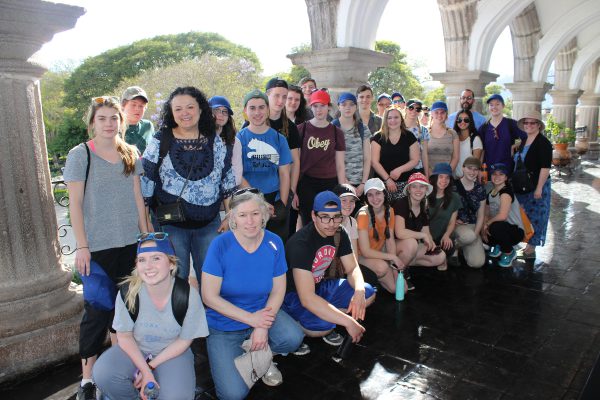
x,y
336,292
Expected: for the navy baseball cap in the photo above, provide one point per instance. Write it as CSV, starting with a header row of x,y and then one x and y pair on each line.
x,y
324,198
495,97
499,167
220,101
98,289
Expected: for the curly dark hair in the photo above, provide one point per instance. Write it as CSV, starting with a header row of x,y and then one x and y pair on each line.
x,y
206,125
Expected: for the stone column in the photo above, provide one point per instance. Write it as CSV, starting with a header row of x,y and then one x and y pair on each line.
x,y
456,82
588,114
563,106
341,69
527,96
40,315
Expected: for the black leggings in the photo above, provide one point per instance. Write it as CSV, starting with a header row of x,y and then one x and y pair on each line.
x,y
117,263
505,235
308,188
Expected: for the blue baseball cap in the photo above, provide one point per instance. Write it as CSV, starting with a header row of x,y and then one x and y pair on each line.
x,y
220,101
324,198
346,96
442,169
495,97
499,167
161,245
439,105
98,289
382,96
398,94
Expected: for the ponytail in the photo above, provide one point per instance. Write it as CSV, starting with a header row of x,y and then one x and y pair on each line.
x,y
129,155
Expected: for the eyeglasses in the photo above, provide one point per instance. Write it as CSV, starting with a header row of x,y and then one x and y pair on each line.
x,y
466,98
465,120
325,219
223,111
245,190
530,122
105,99
426,114
145,236
398,101
413,108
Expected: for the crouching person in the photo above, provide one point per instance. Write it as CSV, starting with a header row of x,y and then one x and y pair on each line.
x,y
317,297
155,323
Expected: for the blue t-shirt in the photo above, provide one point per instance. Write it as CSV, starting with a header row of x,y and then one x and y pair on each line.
x,y
479,119
262,155
247,277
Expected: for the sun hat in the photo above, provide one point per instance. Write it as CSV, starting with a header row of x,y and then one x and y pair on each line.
x,y
418,177
98,289
499,167
319,96
324,198
472,161
383,95
439,105
132,92
346,96
532,115
374,183
255,94
276,82
220,101
495,97
442,169
345,190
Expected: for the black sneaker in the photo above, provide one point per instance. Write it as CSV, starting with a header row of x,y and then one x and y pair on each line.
x,y
333,339
302,350
87,392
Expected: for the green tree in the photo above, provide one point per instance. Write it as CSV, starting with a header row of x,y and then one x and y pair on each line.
x,y
71,131
231,77
52,93
397,76
292,77
434,95
497,88
101,74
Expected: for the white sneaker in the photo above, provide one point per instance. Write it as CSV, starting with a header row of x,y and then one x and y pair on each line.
x,y
273,376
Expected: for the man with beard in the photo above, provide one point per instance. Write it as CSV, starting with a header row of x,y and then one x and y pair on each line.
x,y
467,98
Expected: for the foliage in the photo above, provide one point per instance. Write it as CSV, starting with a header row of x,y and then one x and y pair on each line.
x,y
52,93
231,77
497,88
102,74
70,132
302,48
557,132
433,95
397,76
292,77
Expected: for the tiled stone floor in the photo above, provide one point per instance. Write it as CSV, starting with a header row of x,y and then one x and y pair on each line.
x,y
530,332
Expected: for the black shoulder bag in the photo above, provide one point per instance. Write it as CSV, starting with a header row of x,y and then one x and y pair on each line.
x,y
522,179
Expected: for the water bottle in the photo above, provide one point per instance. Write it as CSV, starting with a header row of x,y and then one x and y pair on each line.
x,y
400,287
151,391
484,174
345,348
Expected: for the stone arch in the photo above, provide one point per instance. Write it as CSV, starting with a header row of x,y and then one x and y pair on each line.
x,y
493,16
357,23
560,33
525,35
585,58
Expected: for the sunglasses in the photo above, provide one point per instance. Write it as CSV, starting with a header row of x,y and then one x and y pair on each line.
x,y
530,122
413,108
245,190
105,99
465,120
145,236
426,114
397,101
496,136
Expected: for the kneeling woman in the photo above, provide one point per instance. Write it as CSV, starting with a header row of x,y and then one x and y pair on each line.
x,y
376,242
154,346
503,227
243,284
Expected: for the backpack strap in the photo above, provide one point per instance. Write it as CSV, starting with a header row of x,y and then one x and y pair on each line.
x,y
87,168
165,145
179,299
361,128
123,292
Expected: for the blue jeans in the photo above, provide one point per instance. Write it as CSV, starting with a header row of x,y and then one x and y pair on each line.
x,y
192,241
285,336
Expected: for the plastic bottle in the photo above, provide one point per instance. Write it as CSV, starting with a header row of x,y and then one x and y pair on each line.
x,y
151,391
345,348
400,287
484,173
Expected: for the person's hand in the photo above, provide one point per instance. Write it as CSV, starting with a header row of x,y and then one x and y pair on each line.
x,y
224,227
83,257
262,318
395,174
446,242
537,194
428,241
485,232
391,186
359,189
259,338
355,330
271,209
358,305
397,263
145,379
295,202
460,222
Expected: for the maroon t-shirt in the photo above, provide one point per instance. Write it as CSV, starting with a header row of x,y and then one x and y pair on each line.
x,y
317,149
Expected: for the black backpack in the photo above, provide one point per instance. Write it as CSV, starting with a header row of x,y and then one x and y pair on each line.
x,y
179,300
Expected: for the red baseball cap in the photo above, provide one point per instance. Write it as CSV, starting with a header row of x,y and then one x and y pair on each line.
x,y
319,96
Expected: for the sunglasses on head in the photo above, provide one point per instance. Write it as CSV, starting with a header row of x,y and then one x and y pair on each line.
x,y
145,236
415,108
465,120
245,190
105,99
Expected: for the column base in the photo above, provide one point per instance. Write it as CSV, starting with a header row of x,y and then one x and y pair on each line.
x,y
593,153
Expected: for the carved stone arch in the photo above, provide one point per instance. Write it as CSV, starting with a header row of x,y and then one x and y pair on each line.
x,y
586,58
525,34
492,17
358,21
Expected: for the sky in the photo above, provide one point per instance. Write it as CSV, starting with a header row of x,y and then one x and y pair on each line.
x,y
270,28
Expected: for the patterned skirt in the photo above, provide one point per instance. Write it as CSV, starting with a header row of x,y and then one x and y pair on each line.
x,y
538,212
398,194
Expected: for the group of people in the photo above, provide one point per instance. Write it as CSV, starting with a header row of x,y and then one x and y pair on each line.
x,y
375,193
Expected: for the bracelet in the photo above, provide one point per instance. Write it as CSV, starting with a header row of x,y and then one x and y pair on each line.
x,y
150,366
82,247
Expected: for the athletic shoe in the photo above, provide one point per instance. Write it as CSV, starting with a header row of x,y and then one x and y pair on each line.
x,y
87,392
526,256
506,259
333,339
302,350
409,285
494,252
273,376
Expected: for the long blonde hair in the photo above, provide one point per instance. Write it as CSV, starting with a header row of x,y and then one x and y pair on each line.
x,y
135,283
384,131
129,154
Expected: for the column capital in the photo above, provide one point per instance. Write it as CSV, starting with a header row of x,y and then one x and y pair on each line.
x,y
589,100
565,97
527,96
456,81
